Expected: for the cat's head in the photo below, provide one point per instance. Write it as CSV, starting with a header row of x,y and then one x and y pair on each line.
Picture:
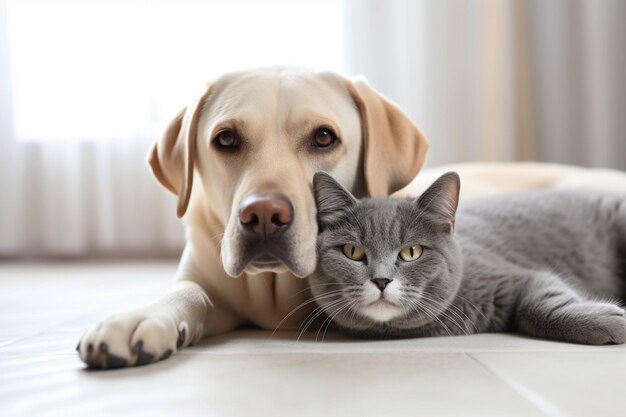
x,y
386,262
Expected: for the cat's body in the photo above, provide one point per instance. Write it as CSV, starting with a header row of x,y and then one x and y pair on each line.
x,y
548,264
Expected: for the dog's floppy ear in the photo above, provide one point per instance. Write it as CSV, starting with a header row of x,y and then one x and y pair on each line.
x,y
172,155
394,149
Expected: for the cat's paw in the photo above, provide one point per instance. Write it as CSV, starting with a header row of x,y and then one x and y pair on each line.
x,y
131,339
596,323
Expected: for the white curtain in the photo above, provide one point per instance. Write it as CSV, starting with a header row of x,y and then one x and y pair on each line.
x,y
85,85
70,197
495,80
500,80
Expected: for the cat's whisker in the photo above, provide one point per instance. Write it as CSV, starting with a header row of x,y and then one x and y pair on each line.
x,y
309,301
470,327
432,316
310,317
437,319
420,308
415,307
469,319
448,312
327,318
349,307
312,320
315,314
330,319
449,309
478,310
354,313
419,313
406,311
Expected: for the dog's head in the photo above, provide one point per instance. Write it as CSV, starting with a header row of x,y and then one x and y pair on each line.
x,y
255,139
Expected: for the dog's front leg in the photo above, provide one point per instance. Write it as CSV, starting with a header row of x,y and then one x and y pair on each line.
x,y
179,318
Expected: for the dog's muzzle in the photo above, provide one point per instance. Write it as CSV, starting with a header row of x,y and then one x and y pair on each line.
x,y
264,220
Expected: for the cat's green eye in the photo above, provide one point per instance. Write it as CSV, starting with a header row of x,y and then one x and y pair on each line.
x,y
411,253
353,252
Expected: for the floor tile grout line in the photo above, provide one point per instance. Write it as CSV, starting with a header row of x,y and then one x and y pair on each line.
x,y
538,401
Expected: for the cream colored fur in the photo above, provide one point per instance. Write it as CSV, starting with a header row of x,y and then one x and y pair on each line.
x,y
276,110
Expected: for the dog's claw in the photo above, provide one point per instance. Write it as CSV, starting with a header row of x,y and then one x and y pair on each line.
x,y
114,361
181,337
166,354
143,358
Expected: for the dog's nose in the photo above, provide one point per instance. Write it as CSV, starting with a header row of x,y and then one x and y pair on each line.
x,y
381,283
265,214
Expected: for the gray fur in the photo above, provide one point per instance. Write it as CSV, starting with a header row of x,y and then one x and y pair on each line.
x,y
548,264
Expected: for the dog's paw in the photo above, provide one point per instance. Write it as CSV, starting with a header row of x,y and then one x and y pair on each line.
x,y
131,339
596,323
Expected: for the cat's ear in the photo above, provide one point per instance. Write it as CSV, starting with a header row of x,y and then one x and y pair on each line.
x,y
330,196
442,199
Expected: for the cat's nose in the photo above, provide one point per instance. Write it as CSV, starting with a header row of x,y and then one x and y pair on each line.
x,y
381,283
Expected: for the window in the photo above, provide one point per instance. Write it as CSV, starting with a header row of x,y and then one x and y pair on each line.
x,y
120,69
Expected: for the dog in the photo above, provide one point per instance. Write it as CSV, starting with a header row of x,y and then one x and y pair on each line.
x,y
241,159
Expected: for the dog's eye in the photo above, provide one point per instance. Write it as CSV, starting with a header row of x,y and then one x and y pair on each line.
x,y
324,138
411,253
227,139
353,252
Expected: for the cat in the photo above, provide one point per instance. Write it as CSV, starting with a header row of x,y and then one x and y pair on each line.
x,y
548,264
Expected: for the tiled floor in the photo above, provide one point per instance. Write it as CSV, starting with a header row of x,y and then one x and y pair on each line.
x,y
45,307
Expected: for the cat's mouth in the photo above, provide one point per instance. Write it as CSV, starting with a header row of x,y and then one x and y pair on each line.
x,y
381,310
383,301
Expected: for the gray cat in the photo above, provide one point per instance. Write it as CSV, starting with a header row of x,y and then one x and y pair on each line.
x,y
548,264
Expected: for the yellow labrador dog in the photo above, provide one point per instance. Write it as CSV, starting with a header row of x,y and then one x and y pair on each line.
x,y
241,159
